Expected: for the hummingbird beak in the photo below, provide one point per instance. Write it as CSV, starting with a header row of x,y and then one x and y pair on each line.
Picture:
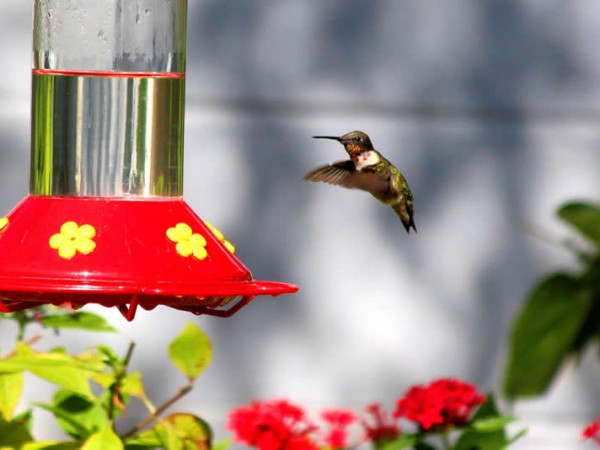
x,y
333,138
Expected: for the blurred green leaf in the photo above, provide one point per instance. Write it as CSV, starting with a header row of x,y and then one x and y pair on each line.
x,y
191,351
585,217
52,445
77,415
517,436
58,368
110,357
157,437
103,440
543,334
11,387
26,359
404,441
176,432
132,385
194,432
424,446
78,320
590,329
490,424
14,433
222,444
482,439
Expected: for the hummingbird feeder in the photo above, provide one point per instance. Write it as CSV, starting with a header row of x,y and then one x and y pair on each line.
x,y
105,221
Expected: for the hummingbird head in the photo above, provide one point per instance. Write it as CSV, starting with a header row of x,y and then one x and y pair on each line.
x,y
355,142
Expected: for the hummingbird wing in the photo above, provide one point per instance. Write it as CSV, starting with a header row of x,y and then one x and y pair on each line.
x,y
344,173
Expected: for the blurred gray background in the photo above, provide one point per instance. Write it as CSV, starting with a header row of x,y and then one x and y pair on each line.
x,y
492,111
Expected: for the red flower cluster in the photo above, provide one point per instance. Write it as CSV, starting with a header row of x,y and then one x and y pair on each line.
x,y
338,420
281,425
592,431
272,425
382,428
439,405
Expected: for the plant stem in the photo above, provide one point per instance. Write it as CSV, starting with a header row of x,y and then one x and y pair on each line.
x,y
22,321
116,386
162,408
128,356
29,342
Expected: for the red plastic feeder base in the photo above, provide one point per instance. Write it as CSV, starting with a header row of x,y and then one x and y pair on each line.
x,y
121,252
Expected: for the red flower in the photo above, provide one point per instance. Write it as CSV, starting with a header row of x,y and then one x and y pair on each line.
x,y
441,404
385,428
272,425
592,431
338,421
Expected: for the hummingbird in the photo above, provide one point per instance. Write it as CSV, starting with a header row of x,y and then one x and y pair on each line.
x,y
368,170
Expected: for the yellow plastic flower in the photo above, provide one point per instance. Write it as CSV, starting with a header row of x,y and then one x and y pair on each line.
x,y
187,243
72,239
228,245
3,223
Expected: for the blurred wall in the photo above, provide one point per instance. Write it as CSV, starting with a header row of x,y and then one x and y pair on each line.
x,y
491,111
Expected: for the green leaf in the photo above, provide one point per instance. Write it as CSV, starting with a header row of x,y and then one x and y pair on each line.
x,y
585,217
176,431
404,441
492,439
132,385
517,436
194,432
15,433
11,387
191,351
110,357
103,440
543,334
58,368
222,444
79,321
76,415
158,436
52,445
590,328
424,446
489,424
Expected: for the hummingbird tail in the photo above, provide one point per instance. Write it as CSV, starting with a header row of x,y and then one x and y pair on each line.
x,y
406,217
410,224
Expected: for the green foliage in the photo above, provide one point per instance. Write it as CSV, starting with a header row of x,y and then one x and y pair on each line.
x,y
94,389
191,351
560,316
544,334
102,440
175,432
78,320
487,430
11,387
404,441
16,432
77,415
585,218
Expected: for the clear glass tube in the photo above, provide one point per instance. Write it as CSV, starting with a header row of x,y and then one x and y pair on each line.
x,y
110,35
108,97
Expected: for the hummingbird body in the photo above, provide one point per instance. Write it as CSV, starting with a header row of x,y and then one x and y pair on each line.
x,y
368,170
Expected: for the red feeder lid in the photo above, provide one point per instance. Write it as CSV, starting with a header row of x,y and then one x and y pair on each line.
x,y
123,252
